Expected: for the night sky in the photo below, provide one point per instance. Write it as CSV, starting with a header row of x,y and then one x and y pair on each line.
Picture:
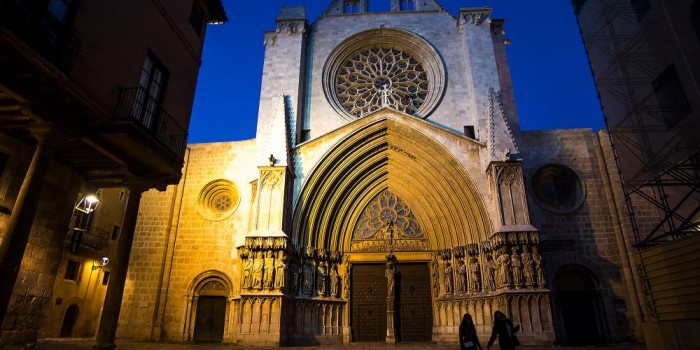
x,y
552,80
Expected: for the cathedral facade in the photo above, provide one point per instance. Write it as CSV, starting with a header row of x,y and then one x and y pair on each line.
x,y
389,191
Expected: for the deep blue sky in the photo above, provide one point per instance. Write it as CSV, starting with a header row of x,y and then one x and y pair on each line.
x,y
551,77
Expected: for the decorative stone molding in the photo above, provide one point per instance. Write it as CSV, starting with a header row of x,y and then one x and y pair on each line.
x,y
474,16
291,27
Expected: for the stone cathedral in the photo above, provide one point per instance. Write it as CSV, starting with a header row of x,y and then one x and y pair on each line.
x,y
389,191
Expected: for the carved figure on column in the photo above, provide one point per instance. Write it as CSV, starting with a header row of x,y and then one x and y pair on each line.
x,y
490,277
308,278
321,279
517,266
258,271
281,271
346,276
474,275
247,273
435,275
293,277
335,281
461,277
528,271
269,270
503,265
539,269
448,277
390,274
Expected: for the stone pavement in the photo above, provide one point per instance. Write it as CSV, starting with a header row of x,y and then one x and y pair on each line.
x,y
86,344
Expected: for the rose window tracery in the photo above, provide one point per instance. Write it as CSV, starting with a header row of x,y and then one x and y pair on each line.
x,y
386,208
381,76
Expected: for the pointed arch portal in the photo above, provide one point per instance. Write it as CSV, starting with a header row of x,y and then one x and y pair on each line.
x,y
387,155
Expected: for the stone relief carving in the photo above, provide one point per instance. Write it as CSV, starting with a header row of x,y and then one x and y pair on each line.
x,y
505,278
490,275
281,270
258,264
461,285
214,285
321,279
537,259
528,271
335,281
474,275
308,278
517,268
269,271
447,277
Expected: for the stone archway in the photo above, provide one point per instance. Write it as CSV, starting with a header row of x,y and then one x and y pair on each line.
x,y
577,305
70,318
208,308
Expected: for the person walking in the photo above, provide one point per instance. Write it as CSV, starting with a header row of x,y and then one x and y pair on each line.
x,y
468,339
504,329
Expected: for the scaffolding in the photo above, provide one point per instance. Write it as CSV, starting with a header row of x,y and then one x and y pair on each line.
x,y
647,85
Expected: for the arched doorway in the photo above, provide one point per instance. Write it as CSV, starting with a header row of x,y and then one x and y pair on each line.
x,y
208,308
578,305
69,319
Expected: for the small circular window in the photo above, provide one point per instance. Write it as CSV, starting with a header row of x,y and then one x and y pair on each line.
x,y
557,188
218,200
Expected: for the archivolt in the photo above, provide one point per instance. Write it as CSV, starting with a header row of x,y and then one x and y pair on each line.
x,y
387,154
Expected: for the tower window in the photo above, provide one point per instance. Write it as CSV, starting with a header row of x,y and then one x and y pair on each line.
x,y
407,5
105,278
673,103
469,131
351,6
115,231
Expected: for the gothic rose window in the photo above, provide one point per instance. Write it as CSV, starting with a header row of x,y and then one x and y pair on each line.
x,y
381,76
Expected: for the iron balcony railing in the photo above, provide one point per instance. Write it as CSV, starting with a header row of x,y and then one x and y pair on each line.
x,y
31,22
137,106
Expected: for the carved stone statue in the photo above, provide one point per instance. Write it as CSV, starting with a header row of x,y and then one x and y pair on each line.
x,y
308,275
258,271
390,274
517,267
335,281
539,269
448,277
528,271
293,277
269,270
281,271
461,286
474,275
490,277
321,279
435,276
247,273
503,268
385,90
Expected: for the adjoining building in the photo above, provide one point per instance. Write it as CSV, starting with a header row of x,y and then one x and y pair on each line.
x,y
93,94
644,57
389,190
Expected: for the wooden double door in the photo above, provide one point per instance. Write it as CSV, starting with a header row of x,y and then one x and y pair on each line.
x,y
413,303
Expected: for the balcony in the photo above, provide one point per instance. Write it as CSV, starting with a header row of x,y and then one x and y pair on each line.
x,y
32,23
137,107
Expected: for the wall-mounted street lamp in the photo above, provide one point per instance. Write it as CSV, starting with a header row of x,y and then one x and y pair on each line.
x,y
82,218
87,204
101,264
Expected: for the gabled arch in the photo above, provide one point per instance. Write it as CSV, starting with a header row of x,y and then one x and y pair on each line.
x,y
388,154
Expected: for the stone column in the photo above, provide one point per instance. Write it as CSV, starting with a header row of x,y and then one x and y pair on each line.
x,y
113,299
19,227
390,299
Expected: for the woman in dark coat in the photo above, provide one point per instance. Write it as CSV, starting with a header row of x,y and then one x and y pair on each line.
x,y
468,340
504,329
